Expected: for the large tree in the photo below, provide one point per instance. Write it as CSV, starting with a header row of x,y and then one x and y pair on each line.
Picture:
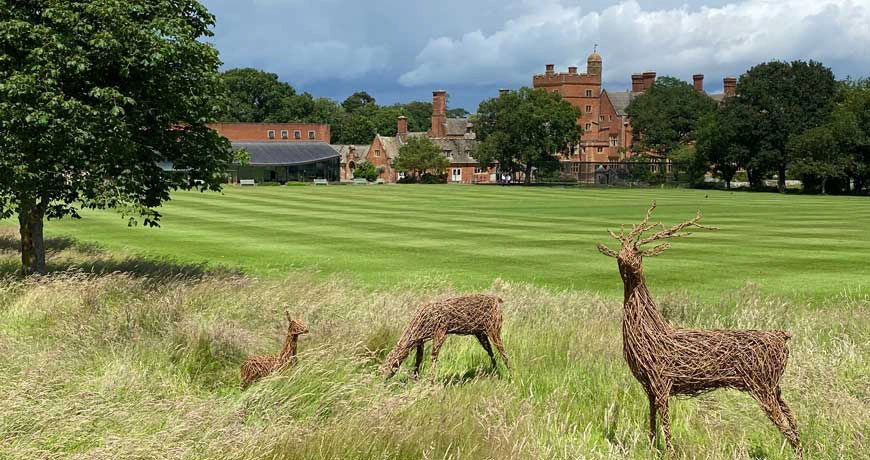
x,y
257,96
419,155
665,117
94,96
524,129
790,98
728,139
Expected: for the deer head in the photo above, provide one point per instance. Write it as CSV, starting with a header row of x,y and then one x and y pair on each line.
x,y
295,326
632,251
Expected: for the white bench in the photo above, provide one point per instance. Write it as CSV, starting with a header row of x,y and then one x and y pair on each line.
x,y
247,182
321,182
380,181
360,181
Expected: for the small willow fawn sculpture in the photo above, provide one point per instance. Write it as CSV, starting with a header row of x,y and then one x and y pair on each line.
x,y
477,315
257,367
668,360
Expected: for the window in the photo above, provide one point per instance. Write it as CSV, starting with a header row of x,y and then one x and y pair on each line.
x,y
377,153
270,133
448,153
600,149
284,134
555,91
610,117
311,135
602,117
588,93
457,175
588,109
297,134
613,141
588,126
479,171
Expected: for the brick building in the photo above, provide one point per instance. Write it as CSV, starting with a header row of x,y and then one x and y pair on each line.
x,y
281,152
607,135
454,136
247,132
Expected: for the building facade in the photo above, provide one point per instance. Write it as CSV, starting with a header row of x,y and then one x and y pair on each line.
x,y
454,136
266,132
607,135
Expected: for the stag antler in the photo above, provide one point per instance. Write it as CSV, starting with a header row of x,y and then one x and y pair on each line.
x,y
633,238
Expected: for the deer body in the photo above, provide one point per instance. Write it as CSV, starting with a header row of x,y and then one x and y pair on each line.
x,y
669,360
257,367
478,315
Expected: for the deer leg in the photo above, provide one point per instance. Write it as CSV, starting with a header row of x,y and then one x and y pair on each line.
x,y
770,404
792,423
662,404
495,336
484,342
418,359
437,341
652,417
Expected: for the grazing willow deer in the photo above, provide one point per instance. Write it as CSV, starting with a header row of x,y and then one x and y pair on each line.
x,y
669,360
256,367
477,315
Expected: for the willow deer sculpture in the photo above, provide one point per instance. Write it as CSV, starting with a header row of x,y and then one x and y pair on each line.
x,y
477,315
670,361
257,367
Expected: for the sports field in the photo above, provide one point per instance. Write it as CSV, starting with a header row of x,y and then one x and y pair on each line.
x,y
789,246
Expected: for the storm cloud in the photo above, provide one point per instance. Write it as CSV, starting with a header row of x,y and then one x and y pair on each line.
x,y
401,50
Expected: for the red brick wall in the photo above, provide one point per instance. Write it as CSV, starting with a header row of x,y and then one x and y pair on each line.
x,y
259,131
378,157
573,87
467,175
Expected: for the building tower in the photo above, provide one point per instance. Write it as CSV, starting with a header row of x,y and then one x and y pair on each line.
x,y
593,63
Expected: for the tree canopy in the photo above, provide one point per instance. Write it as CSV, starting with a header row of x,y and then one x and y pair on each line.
x,y
665,117
524,129
419,155
788,98
94,97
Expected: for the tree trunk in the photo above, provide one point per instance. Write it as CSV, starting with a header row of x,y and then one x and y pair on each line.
x,y
528,179
727,184
824,182
780,180
30,220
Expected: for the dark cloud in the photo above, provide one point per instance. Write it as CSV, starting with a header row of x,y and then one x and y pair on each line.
x,y
401,50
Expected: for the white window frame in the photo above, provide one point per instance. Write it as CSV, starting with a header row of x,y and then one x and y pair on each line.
x,y
297,134
285,134
588,109
270,134
312,134
589,93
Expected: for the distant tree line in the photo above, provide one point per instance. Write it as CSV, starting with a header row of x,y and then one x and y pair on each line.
x,y
257,96
788,120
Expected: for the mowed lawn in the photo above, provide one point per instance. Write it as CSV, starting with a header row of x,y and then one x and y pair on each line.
x,y
393,236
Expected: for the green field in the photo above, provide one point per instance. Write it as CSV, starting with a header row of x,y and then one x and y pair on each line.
x,y
791,246
131,347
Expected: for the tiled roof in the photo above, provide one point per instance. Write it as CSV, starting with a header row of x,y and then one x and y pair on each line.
x,y
286,153
344,150
621,99
458,149
457,126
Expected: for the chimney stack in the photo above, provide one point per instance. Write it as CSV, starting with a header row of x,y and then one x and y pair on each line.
x,y
637,83
648,79
730,86
698,82
551,69
503,91
439,113
572,70
402,126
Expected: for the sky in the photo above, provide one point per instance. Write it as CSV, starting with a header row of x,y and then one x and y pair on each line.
x,y
402,50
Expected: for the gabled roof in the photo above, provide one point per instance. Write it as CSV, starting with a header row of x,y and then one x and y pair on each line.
x,y
276,153
621,100
344,150
457,149
457,126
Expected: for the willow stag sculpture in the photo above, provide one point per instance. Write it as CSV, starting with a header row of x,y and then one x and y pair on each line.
x,y
477,315
256,367
670,361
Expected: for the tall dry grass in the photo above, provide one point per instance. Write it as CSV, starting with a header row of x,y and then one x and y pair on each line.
x,y
145,365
